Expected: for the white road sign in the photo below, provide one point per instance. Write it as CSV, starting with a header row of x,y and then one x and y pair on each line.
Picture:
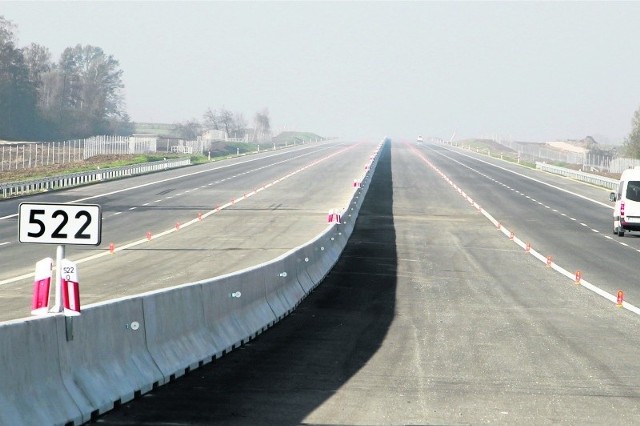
x,y
46,223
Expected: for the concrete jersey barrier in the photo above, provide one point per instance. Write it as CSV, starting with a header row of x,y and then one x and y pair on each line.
x,y
69,370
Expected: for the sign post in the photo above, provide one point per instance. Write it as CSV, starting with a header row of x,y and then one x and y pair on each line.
x,y
61,224
57,305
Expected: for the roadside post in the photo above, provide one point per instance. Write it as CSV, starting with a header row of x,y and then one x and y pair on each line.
x,y
61,225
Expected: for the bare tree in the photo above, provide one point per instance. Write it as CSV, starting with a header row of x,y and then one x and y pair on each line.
x,y
211,120
631,145
226,120
189,130
262,125
238,125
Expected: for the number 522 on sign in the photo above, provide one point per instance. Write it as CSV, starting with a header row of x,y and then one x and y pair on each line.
x,y
47,223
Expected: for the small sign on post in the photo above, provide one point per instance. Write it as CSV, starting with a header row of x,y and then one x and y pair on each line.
x,y
46,223
61,224
70,288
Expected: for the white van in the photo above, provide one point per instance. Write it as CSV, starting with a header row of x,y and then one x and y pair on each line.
x,y
626,213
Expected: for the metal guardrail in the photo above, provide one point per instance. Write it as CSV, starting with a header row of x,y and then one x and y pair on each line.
x,y
15,189
578,175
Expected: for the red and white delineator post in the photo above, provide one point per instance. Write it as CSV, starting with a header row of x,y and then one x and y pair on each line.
x,y
70,288
334,216
41,287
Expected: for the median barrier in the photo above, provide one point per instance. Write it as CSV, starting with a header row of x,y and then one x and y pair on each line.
x,y
67,370
282,289
334,247
302,264
31,387
236,309
315,251
104,358
177,337
349,220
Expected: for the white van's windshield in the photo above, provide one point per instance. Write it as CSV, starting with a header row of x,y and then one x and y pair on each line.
x,y
633,190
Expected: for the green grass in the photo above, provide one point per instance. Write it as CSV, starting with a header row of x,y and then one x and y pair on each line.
x,y
489,147
285,138
219,150
33,173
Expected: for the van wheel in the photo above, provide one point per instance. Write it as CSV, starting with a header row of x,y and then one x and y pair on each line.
x,y
620,232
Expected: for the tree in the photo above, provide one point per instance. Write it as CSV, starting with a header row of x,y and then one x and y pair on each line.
x,y
226,120
211,120
90,83
233,124
189,130
78,96
7,31
18,98
631,145
38,61
238,126
262,125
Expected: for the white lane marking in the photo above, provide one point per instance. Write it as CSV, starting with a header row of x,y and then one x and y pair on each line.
x,y
5,243
184,225
186,175
519,174
132,208
537,255
183,176
537,180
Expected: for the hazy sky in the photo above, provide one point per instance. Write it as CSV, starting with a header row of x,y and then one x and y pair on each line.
x,y
527,71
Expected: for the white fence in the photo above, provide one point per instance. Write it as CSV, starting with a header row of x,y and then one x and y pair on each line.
x,y
618,165
16,189
534,152
99,145
22,155
14,156
597,180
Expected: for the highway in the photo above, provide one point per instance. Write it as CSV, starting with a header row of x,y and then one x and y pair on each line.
x,y
434,316
569,221
253,209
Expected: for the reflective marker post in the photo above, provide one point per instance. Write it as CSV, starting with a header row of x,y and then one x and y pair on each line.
x,y
57,305
61,224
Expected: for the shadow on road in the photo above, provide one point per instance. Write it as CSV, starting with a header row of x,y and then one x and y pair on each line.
x,y
289,371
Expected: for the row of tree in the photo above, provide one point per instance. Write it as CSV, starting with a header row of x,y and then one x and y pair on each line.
x,y
80,95
233,124
631,146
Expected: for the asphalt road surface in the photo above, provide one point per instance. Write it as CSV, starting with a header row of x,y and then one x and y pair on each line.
x,y
269,204
431,316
